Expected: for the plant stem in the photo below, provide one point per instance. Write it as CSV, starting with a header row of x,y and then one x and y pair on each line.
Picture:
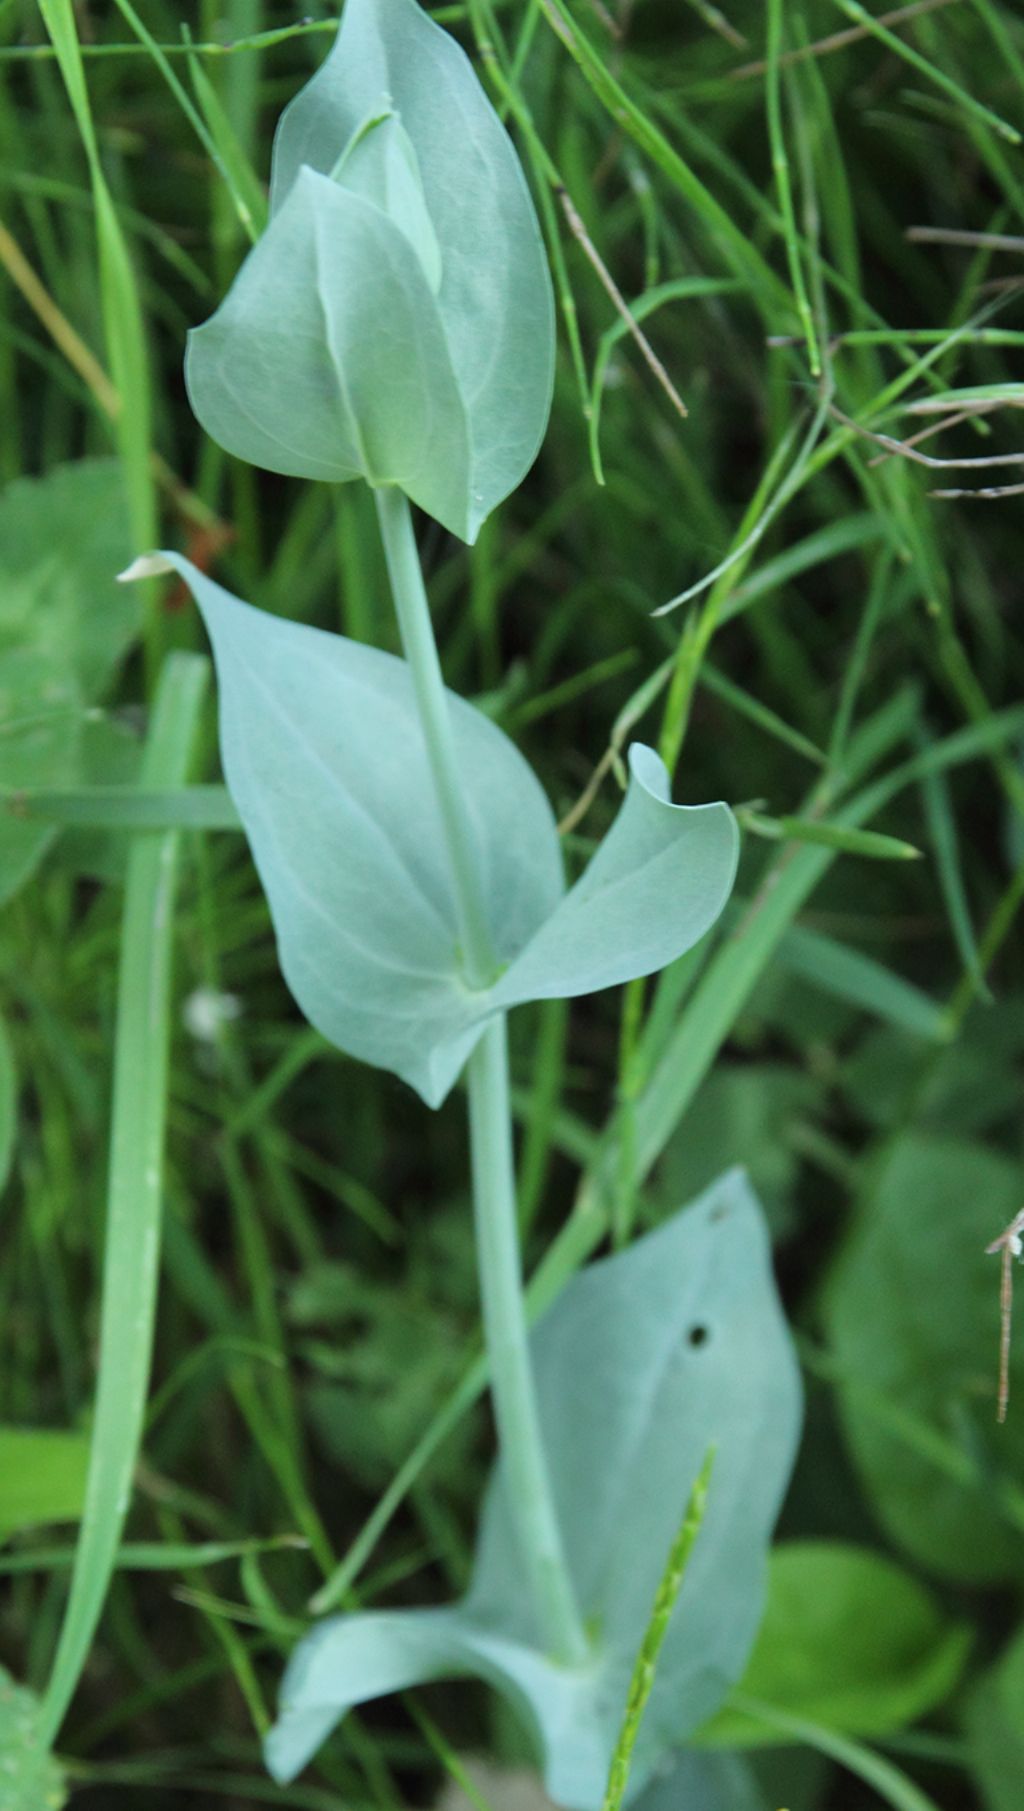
x,y
505,1325
494,1192
417,634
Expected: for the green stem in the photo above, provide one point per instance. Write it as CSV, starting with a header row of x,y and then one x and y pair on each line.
x,y
417,634
494,1192
505,1325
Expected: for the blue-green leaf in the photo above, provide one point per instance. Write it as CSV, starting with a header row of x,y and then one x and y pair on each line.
x,y
704,1782
380,163
495,298
629,1403
658,881
396,121
349,1660
327,358
324,757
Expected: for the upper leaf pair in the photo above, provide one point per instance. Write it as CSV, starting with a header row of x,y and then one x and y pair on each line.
x,y
395,322
325,758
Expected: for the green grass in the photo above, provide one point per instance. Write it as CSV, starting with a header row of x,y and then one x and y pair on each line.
x,y
842,659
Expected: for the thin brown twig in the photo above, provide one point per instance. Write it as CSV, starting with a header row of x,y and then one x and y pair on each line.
x,y
955,235
622,307
990,493
1000,286
907,450
715,20
57,325
96,380
1010,1245
838,40
590,791
980,405
611,26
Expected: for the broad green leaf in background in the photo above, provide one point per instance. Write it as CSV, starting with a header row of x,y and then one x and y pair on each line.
x,y
64,626
62,542
913,1314
645,1359
849,1640
970,1086
30,1779
42,1477
414,272
850,975
41,715
753,1111
995,1729
324,756
109,755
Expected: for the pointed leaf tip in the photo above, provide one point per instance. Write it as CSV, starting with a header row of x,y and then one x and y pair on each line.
x,y
656,885
147,566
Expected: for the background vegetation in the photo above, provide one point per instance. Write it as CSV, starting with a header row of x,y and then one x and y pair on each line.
x,y
818,221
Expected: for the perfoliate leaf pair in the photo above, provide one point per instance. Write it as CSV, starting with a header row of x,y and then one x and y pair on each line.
x,y
325,758
395,322
645,1359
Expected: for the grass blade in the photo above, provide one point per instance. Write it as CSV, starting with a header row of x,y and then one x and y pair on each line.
x,y
217,141
125,807
942,829
661,1615
783,187
135,1186
849,975
891,1783
840,837
862,17
738,250
122,309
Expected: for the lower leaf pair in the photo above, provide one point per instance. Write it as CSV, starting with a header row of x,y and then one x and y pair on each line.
x,y
645,1359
